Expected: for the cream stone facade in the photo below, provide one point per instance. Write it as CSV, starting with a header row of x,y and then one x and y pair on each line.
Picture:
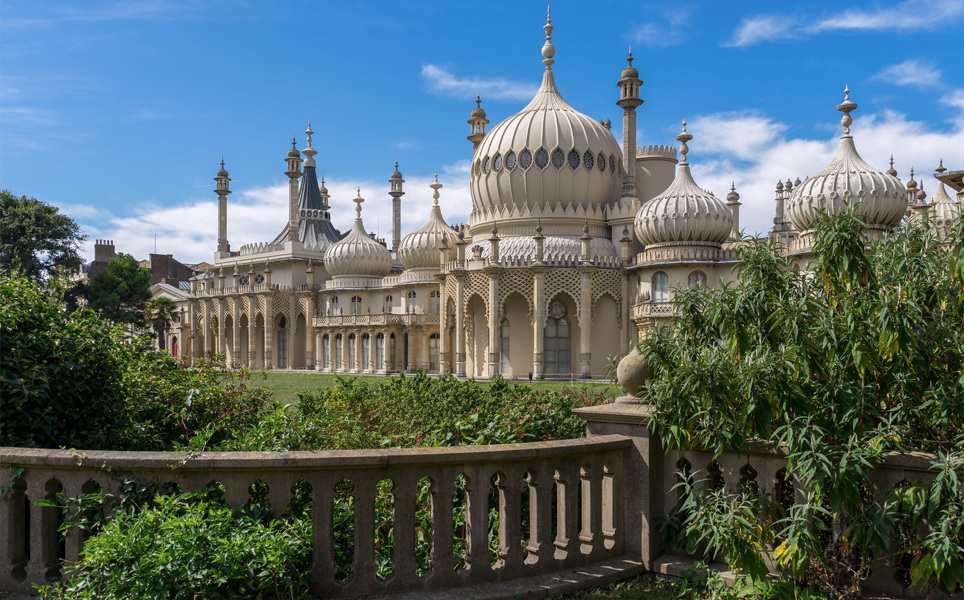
x,y
575,246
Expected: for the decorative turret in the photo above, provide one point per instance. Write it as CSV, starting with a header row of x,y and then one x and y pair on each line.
x,y
222,189
420,249
358,260
629,101
586,240
540,241
396,193
733,203
494,244
477,123
293,162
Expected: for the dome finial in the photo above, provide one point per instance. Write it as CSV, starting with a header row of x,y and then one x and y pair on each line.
x,y
222,162
548,50
892,171
846,107
358,202
629,58
435,186
682,139
309,151
939,169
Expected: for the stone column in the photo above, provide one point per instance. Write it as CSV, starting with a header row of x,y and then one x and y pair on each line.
x,y
292,326
344,351
424,342
538,322
311,337
494,337
359,367
317,357
625,316
208,333
410,347
236,333
372,351
268,321
222,334
443,333
252,331
385,348
331,350
460,326
585,323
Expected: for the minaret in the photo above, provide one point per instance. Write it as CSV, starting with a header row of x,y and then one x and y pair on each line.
x,y
477,123
294,173
629,101
733,203
222,189
396,195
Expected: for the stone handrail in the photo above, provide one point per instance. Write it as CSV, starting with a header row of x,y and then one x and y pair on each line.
x,y
653,309
402,320
584,476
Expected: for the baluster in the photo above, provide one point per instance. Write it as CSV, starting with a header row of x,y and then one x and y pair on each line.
x,y
589,488
443,527
13,546
403,559
613,529
44,563
322,548
540,517
566,498
364,565
74,537
477,524
510,525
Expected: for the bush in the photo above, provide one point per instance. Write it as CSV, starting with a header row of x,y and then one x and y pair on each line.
x,y
60,373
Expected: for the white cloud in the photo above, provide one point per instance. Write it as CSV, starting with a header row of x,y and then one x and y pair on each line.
x,y
908,16
911,72
669,29
116,11
752,150
445,83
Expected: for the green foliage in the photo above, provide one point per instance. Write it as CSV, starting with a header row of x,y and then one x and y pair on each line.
x,y
120,291
191,546
35,239
60,373
159,313
840,364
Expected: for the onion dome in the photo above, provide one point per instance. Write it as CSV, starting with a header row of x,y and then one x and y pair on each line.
x,y
733,196
944,208
323,190
684,214
478,112
293,153
846,181
911,184
547,156
419,249
630,72
222,172
358,255
892,170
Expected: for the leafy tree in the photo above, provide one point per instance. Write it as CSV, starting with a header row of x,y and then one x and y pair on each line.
x,y
160,312
120,291
839,364
35,238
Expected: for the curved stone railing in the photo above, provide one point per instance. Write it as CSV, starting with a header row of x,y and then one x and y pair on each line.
x,y
575,489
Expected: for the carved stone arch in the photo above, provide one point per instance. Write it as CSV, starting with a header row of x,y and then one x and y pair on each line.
x,y
515,281
608,281
502,307
562,280
619,306
572,297
484,298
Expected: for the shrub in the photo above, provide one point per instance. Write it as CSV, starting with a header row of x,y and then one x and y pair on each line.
x,y
60,372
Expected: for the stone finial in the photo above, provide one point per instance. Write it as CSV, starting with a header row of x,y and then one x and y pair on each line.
x,y
548,50
941,168
892,171
733,196
435,186
911,184
682,138
629,58
626,237
539,227
309,152
358,202
585,230
846,107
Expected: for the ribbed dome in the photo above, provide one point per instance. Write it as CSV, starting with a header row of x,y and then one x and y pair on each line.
x,y
846,181
419,249
358,255
943,207
554,248
547,155
684,213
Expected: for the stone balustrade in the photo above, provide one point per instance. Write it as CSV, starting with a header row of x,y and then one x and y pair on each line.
x,y
644,310
575,510
401,320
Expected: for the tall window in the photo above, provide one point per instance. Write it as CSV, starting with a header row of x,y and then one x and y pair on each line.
x,y
365,352
410,309
283,343
351,352
697,280
325,351
388,304
379,352
338,361
660,287
433,352
504,348
334,305
355,305
556,340
434,300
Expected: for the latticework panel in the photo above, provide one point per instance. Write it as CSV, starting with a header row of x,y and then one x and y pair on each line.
x,y
608,281
515,281
262,305
477,283
562,280
281,304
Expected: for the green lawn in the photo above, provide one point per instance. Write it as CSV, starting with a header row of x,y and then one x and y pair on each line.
x,y
286,385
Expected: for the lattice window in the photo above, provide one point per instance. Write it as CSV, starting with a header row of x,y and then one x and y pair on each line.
x,y
587,160
558,158
258,279
497,164
573,159
510,160
244,280
601,162
612,165
525,159
542,158
563,280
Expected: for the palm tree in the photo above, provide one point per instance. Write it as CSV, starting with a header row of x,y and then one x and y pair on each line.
x,y
160,312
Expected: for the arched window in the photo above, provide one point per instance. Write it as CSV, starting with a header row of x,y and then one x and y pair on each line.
x,y
351,352
379,352
338,358
410,309
433,352
388,304
504,347
697,280
556,340
660,287
365,352
433,302
355,305
283,343
334,305
325,351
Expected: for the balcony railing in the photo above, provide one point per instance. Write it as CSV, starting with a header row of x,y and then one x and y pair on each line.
x,y
406,320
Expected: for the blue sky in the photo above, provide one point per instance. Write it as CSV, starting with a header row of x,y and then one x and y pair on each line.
x,y
119,112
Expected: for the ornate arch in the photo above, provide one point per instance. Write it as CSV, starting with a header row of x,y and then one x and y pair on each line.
x,y
515,281
562,280
608,281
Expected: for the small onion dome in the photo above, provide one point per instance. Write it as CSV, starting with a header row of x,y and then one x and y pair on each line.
x,y
293,153
921,195
733,196
630,72
322,189
396,174
222,172
846,181
944,207
419,249
779,186
892,170
684,213
478,112
358,254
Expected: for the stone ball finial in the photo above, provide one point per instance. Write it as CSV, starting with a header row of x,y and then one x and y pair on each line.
x,y
632,374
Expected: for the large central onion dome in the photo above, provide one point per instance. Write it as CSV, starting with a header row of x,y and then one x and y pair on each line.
x,y
684,214
420,249
543,159
358,260
846,181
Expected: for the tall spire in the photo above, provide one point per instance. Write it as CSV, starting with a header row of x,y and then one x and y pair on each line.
x,y
846,107
358,202
309,152
682,139
548,50
435,186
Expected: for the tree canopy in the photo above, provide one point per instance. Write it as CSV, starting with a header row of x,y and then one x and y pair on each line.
x,y
159,313
35,238
120,291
